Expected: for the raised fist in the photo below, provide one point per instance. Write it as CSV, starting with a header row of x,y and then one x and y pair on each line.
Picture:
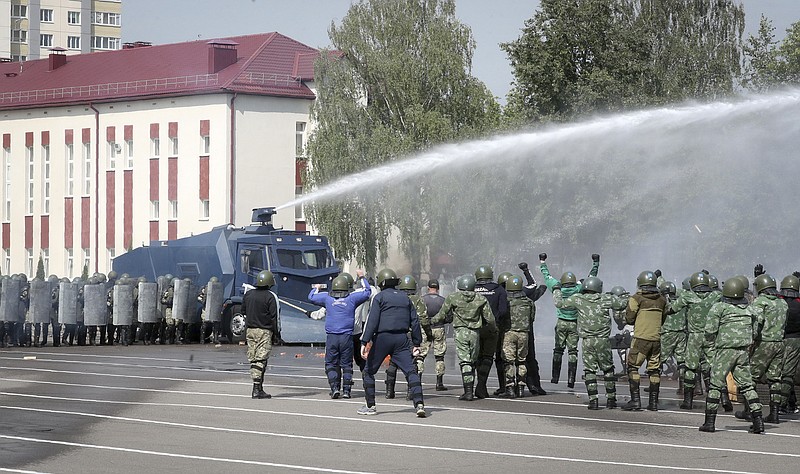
x,y
542,256
523,266
758,270
595,257
797,274
657,273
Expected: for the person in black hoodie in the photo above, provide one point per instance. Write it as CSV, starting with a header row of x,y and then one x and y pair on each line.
x,y
490,345
261,308
790,292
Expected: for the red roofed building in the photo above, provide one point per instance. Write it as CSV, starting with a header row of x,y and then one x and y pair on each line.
x,y
107,151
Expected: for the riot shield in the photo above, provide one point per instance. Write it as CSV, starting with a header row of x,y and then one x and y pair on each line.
x,y
95,311
9,300
192,305
148,303
123,305
40,304
180,300
68,303
213,308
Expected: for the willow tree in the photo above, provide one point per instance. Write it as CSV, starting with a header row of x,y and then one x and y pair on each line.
x,y
400,83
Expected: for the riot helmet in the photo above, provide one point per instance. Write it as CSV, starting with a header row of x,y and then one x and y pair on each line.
x,y
484,272
407,283
733,288
790,282
592,285
697,280
340,284
765,282
647,279
618,291
513,283
568,279
466,283
264,279
387,278
713,282
503,278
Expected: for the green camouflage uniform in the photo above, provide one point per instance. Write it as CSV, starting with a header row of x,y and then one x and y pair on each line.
x,y
566,324
594,329
166,300
425,326
729,333
696,306
515,339
768,354
673,338
471,312
646,311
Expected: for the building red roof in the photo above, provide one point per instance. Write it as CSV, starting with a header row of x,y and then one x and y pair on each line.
x,y
266,64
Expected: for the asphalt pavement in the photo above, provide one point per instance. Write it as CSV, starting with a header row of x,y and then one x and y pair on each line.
x,y
188,409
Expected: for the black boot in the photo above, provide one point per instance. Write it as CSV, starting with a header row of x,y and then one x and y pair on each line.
x,y
508,392
519,390
572,370
635,404
725,400
711,418
440,383
744,414
773,416
688,397
611,403
556,369
468,395
390,381
346,391
594,404
258,391
653,402
758,423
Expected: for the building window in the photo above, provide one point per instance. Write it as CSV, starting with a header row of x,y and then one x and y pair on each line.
x,y
74,42
46,180
70,152
155,147
105,18
46,41
298,209
113,149
173,146
105,42
19,36
173,209
31,269
205,209
111,254
87,168
18,58
46,15
73,18
19,11
7,187
129,153
46,260
299,138
154,210
69,267
29,153
206,145
87,258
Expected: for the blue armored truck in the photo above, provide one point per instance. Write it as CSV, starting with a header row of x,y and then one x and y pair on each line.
x,y
236,255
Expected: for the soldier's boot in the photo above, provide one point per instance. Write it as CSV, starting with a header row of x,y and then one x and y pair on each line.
x,y
572,370
440,383
215,337
173,334
501,379
45,334
390,381
611,403
708,425
468,394
773,417
744,414
57,335
556,369
635,404
508,392
698,386
725,400
758,423
125,336
519,390
688,397
483,376
181,336
594,404
653,401
679,391
258,391
102,329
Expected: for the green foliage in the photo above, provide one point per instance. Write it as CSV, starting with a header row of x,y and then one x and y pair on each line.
x,y
771,64
401,84
85,273
40,269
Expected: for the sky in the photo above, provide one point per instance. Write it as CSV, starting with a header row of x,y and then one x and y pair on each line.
x,y
308,21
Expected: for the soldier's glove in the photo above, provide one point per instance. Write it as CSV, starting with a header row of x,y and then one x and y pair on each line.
x,y
523,266
542,256
276,338
797,274
657,273
758,270
596,257
705,271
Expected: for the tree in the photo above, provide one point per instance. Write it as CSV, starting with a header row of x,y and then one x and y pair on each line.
x,y
770,64
400,83
580,57
40,269
85,273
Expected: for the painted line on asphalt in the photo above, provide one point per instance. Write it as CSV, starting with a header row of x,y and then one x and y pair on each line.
x,y
175,455
361,442
21,471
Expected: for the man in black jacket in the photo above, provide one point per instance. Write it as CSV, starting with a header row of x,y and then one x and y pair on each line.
x,y
491,345
261,308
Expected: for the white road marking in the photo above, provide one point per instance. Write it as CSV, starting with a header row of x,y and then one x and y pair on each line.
x,y
357,442
21,471
175,455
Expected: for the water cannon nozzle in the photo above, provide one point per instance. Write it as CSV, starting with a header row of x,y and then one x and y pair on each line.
x,y
263,215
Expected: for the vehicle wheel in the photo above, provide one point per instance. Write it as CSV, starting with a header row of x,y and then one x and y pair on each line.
x,y
234,324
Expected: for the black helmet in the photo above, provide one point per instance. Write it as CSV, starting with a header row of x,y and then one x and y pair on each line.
x,y
647,278
790,282
764,282
593,285
568,279
503,278
618,291
733,288
340,284
265,278
484,272
514,283
698,279
466,283
668,288
713,282
407,283
387,278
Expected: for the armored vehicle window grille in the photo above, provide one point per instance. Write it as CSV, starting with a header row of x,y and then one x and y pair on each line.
x,y
188,270
309,259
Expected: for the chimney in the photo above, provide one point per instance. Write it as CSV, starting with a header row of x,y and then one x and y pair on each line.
x,y
221,54
58,58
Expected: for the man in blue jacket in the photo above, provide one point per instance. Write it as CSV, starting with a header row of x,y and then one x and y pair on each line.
x,y
340,307
391,315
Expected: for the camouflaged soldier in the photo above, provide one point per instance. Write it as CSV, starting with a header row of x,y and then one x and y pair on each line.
x,y
646,311
729,330
515,338
433,303
673,333
768,349
170,323
697,303
566,325
470,311
594,328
